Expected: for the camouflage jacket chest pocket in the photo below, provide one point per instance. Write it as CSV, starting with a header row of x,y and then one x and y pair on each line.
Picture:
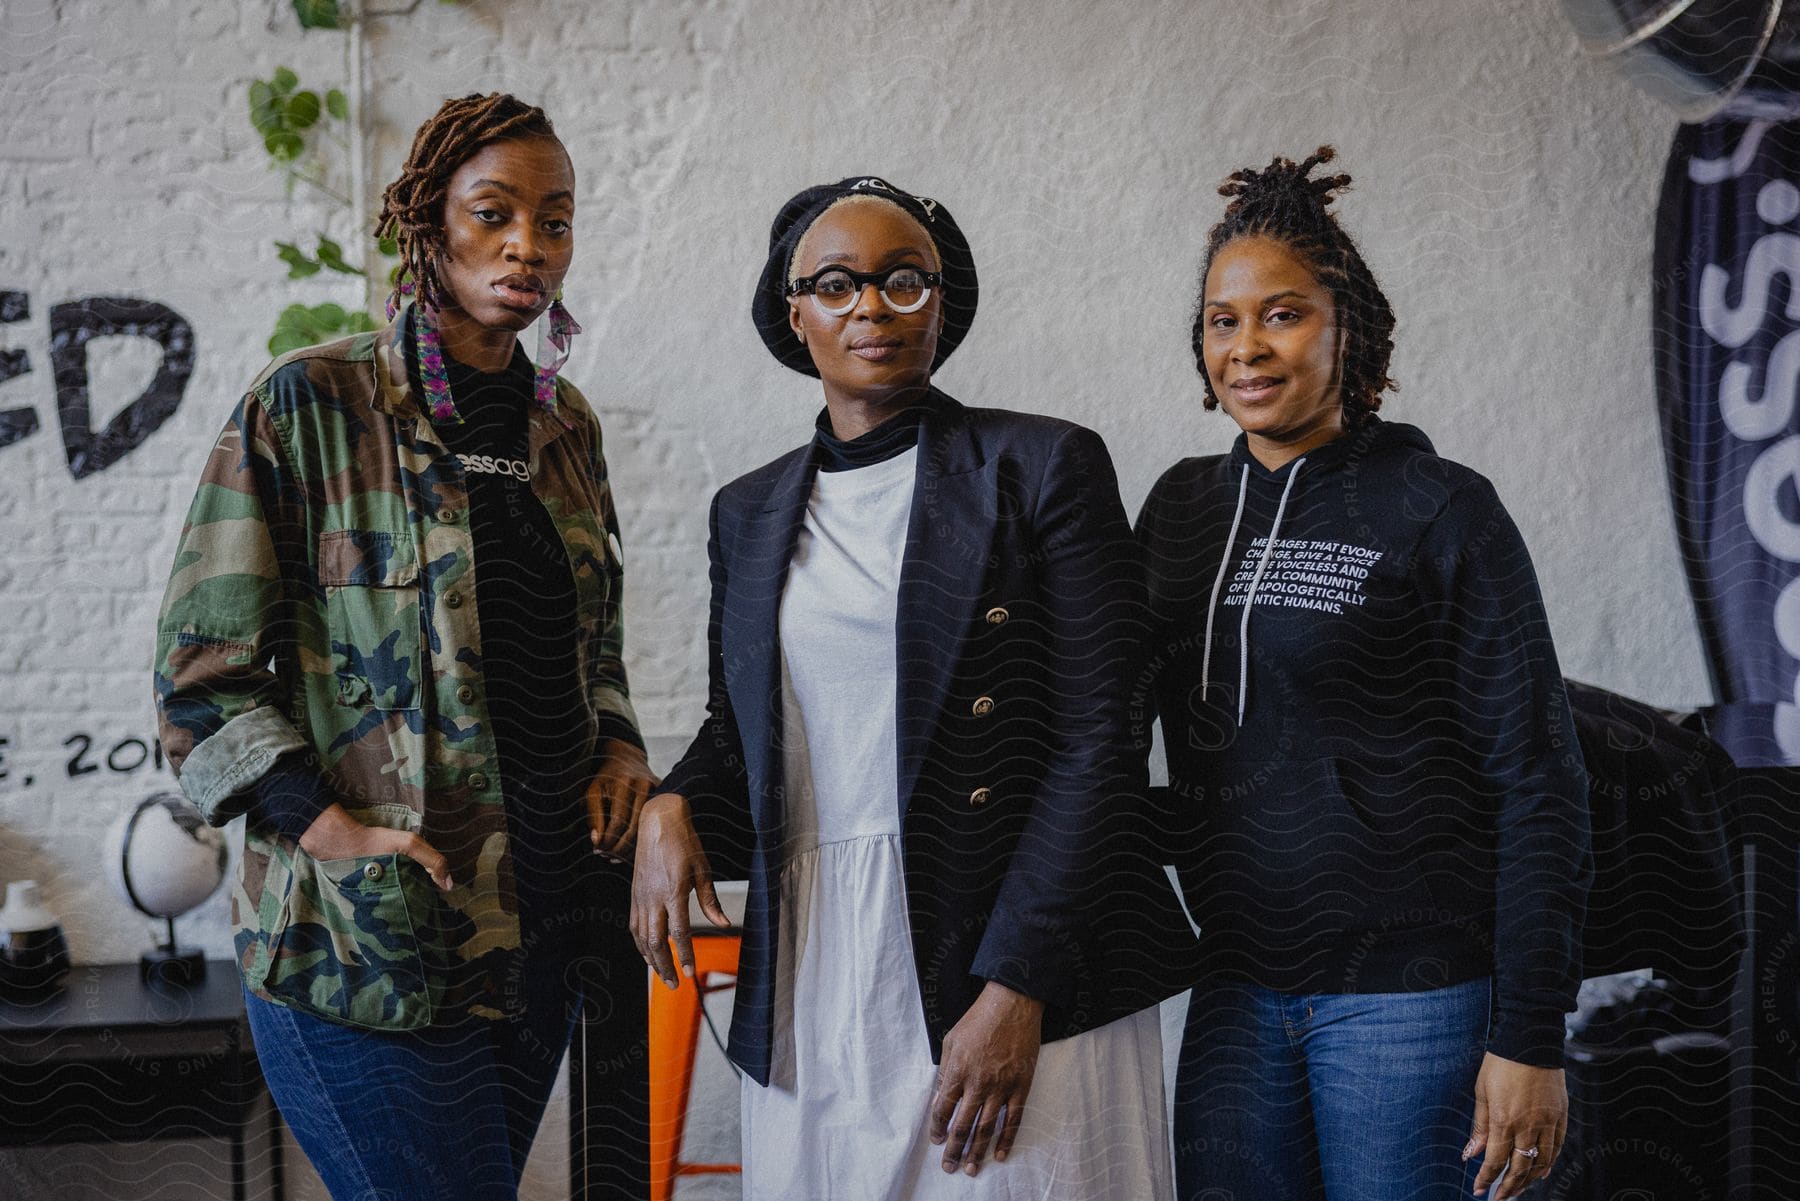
x,y
372,612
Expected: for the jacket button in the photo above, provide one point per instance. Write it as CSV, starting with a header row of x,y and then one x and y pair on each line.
x,y
465,694
448,513
477,781
454,600
979,797
996,615
372,871
983,706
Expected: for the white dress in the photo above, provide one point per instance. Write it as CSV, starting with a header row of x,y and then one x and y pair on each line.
x,y
845,1112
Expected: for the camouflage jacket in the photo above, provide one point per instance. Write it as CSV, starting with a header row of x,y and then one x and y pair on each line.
x,y
323,601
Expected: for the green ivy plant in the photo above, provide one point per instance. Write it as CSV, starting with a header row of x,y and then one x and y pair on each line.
x,y
282,112
301,128
319,14
292,121
307,325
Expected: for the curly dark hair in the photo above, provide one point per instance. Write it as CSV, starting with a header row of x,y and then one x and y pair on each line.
x,y
412,207
1284,203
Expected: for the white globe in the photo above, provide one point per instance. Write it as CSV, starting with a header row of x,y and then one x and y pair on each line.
x,y
162,857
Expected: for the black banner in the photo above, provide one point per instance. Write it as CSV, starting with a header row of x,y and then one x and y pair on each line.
x,y
1727,332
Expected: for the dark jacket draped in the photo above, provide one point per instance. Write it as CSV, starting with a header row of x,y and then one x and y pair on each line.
x,y
1019,634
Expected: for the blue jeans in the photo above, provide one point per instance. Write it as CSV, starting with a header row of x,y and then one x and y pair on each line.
x,y
1348,1097
441,1114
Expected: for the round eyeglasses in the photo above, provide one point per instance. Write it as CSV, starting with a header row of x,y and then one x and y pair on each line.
x,y
837,289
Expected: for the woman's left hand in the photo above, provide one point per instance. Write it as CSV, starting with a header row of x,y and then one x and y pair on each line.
x,y
616,796
989,1059
1517,1108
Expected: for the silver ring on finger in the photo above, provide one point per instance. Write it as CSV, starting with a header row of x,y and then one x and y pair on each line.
x,y
1527,1152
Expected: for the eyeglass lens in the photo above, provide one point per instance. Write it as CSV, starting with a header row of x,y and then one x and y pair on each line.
x,y
904,290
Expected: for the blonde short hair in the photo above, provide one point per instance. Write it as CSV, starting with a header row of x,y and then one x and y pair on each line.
x,y
859,198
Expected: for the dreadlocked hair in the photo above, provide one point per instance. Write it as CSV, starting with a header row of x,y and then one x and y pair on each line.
x,y
1283,202
412,207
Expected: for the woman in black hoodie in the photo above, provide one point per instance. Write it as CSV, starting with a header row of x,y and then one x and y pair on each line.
x,y
1370,754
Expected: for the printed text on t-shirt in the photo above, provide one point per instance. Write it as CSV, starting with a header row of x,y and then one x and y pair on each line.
x,y
494,465
1303,574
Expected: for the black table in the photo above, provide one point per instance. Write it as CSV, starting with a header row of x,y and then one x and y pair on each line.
x,y
104,1059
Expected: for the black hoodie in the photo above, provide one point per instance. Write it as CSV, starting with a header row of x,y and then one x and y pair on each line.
x,y
1375,780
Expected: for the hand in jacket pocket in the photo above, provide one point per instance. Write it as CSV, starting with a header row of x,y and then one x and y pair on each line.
x,y
334,834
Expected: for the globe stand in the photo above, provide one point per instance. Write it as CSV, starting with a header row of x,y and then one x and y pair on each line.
x,y
171,966
177,862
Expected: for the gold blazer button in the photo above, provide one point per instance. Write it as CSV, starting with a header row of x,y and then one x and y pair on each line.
x,y
983,706
980,797
996,615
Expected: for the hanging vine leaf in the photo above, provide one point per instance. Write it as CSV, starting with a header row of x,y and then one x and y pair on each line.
x,y
299,265
331,255
284,146
318,14
300,326
337,104
302,110
285,81
328,254
265,110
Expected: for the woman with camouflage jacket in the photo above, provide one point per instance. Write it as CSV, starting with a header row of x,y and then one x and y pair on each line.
x,y
391,642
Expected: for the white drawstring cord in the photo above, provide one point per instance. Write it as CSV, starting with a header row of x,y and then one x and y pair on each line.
x,y
1224,562
1255,580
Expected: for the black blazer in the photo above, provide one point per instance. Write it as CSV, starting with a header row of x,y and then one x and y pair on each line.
x,y
1019,629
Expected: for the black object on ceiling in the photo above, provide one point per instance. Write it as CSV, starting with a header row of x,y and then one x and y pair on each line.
x,y
1701,58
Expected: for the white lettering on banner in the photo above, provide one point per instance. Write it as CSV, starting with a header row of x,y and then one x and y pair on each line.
x,y
1773,531
1773,255
1718,170
1770,414
1754,420
1787,617
1303,574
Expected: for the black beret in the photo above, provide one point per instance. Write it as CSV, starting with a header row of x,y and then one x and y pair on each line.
x,y
769,309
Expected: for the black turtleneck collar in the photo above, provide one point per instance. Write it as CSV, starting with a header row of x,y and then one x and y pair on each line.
x,y
895,436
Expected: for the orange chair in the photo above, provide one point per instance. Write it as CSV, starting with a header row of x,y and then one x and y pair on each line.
x,y
674,1037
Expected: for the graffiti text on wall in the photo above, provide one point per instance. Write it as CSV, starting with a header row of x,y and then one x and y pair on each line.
x,y
72,326
85,755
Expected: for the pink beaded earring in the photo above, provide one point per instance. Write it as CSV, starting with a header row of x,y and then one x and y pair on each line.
x,y
560,330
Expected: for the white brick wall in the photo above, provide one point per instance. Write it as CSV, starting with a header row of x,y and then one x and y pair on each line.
x,y
1505,193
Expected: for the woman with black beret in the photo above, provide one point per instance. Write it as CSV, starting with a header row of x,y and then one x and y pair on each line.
x,y
917,749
